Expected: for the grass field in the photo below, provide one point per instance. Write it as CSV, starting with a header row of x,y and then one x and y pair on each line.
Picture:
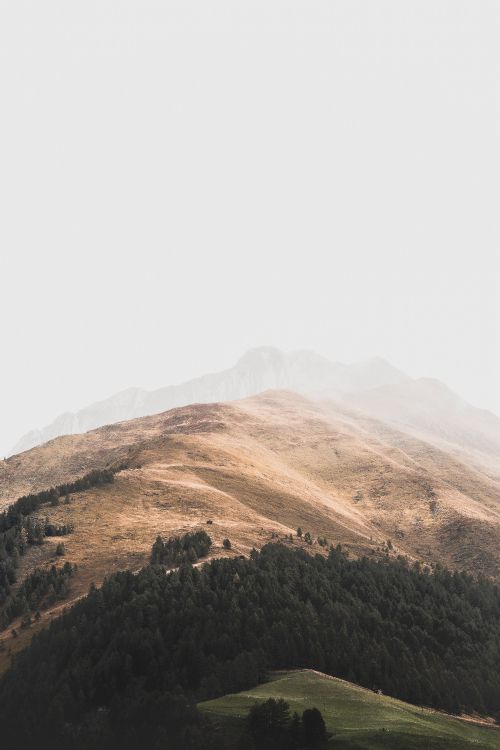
x,y
358,719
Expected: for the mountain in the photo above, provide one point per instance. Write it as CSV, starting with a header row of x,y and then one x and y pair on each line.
x,y
257,469
261,465
422,407
258,370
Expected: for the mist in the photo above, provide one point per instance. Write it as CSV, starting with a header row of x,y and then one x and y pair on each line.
x,y
181,183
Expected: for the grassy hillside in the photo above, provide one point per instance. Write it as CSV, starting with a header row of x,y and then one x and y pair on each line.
x,y
357,718
257,469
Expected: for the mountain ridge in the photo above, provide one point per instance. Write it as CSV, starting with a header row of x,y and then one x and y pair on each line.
x,y
257,370
423,407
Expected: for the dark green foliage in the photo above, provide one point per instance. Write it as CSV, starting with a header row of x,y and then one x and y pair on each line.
x,y
200,633
40,589
53,529
313,728
60,550
7,578
299,532
178,550
268,724
20,529
270,727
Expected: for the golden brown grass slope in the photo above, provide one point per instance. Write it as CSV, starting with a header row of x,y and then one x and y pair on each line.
x,y
257,468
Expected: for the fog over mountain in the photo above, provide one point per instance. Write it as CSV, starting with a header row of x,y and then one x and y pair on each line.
x,y
258,370
335,187
423,406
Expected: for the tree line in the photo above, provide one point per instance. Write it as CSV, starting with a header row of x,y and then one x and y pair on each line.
x,y
127,664
28,504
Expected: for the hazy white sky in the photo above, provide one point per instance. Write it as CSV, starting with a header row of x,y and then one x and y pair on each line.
x,y
180,181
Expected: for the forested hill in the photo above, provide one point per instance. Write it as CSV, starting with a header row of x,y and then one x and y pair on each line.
x,y
124,667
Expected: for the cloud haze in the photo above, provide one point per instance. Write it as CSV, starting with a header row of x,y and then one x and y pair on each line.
x,y
183,181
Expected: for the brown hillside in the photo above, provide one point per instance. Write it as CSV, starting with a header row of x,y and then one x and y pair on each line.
x,y
255,468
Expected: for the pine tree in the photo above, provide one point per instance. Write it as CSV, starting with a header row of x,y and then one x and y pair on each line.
x,y
313,727
157,551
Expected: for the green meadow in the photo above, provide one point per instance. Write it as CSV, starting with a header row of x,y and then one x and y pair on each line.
x,y
357,719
